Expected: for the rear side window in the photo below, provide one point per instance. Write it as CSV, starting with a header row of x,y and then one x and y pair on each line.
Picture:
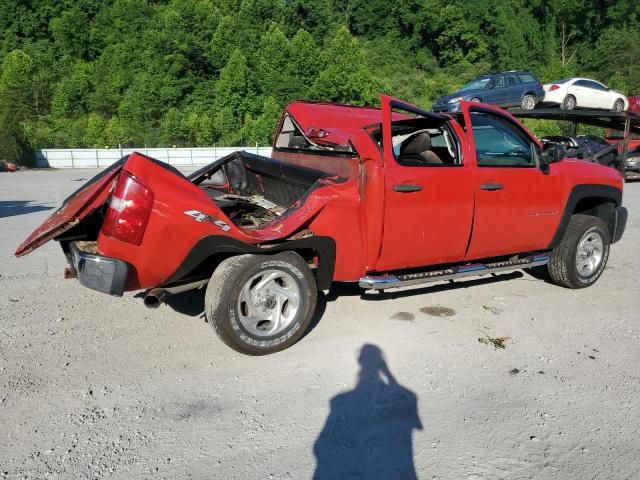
x,y
596,85
512,80
292,138
527,78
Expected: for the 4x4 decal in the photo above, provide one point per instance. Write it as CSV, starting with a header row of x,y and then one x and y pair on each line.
x,y
201,217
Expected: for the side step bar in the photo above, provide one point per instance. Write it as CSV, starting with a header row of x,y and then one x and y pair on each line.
x,y
382,282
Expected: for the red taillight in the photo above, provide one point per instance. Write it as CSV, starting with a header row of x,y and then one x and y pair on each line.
x,y
129,209
553,87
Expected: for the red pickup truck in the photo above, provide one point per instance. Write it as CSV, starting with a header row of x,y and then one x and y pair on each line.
x,y
387,197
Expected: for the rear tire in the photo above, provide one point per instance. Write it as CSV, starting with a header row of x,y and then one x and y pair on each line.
x,y
580,258
261,304
618,106
528,102
569,103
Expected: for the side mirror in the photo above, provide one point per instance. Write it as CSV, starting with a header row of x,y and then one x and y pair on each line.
x,y
491,86
552,153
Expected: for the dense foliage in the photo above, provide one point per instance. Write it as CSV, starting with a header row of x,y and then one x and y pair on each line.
x,y
199,72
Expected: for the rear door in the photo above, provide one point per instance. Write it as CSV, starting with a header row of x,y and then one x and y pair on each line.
x,y
428,209
513,90
517,206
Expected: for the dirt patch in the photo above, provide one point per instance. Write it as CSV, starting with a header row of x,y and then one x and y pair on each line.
x,y
403,316
438,311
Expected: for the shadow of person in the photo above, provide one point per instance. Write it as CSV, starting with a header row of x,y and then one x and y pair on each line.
x,y
368,434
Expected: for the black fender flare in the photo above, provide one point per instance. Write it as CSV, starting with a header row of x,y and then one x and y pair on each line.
x,y
581,192
215,244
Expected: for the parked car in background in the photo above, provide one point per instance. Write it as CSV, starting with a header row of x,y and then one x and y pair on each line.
x,y
634,104
586,147
572,93
8,166
505,89
632,160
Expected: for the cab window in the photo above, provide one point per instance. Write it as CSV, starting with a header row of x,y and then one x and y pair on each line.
x,y
499,143
291,137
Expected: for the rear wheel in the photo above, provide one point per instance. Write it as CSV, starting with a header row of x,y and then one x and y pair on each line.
x,y
260,304
618,105
580,258
569,103
528,102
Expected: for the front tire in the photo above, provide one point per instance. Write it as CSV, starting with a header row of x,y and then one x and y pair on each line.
x,y
475,100
618,106
580,258
261,304
569,103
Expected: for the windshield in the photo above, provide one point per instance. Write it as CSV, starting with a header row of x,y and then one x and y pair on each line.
x,y
477,84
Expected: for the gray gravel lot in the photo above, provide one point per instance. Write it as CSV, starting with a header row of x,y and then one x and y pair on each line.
x,y
99,387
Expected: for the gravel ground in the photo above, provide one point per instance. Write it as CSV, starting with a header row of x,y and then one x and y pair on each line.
x,y
99,387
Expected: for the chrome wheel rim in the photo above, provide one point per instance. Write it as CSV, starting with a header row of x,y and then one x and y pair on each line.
x,y
268,303
589,254
529,103
618,106
570,103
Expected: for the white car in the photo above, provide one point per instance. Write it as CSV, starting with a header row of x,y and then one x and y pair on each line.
x,y
583,93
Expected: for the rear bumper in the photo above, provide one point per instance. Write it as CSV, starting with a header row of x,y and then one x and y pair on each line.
x,y
621,223
103,274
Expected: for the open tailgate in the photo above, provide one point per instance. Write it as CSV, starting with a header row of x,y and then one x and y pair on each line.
x,y
77,206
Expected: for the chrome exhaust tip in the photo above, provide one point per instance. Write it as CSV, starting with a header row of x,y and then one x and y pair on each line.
x,y
154,298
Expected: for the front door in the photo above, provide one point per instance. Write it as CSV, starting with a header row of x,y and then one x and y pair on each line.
x,y
428,209
518,206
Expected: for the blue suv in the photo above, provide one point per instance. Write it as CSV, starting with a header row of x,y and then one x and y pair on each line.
x,y
506,89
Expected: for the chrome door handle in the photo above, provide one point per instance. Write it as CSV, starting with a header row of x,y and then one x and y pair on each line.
x,y
407,187
491,186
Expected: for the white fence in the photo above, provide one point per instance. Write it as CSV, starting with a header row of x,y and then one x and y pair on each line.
x,y
103,157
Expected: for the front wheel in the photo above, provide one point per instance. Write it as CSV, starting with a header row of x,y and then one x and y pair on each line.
x,y
580,258
618,106
259,304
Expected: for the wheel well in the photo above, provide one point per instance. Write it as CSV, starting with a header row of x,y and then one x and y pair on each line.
x,y
603,208
206,267
206,255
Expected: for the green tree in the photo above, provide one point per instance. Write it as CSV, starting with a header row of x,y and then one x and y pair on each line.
x,y
115,133
303,65
225,40
260,129
345,76
273,64
71,32
17,87
234,95
71,93
95,134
